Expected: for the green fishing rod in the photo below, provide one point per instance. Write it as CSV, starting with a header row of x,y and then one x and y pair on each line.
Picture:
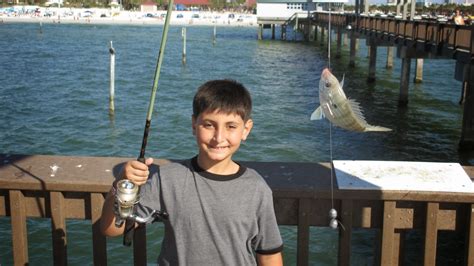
x,y
130,223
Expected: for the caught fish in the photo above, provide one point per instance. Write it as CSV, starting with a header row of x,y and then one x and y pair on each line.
x,y
342,112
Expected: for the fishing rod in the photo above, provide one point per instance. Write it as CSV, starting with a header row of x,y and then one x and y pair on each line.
x,y
130,222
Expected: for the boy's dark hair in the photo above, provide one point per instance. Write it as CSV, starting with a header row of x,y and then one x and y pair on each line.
x,y
227,96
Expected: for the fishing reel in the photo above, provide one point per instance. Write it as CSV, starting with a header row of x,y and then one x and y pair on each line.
x,y
126,197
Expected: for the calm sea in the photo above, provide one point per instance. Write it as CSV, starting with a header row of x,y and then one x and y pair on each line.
x,y
54,87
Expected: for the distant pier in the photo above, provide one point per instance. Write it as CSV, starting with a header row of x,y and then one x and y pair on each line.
x,y
413,39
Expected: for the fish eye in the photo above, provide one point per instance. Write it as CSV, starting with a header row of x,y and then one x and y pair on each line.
x,y
328,84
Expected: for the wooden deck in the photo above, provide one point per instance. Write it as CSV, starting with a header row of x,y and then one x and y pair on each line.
x,y
29,188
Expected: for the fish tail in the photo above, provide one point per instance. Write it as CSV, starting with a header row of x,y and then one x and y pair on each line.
x,y
377,128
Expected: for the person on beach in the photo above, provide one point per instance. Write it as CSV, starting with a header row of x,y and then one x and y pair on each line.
x,y
458,18
219,211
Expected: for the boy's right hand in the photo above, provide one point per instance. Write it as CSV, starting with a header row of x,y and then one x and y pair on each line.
x,y
136,171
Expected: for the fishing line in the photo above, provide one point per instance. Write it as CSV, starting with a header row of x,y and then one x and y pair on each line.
x,y
329,37
333,223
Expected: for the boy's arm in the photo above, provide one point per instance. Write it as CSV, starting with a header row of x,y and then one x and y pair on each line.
x,y
107,220
270,260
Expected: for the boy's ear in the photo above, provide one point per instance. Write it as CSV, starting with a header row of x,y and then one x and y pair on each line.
x,y
193,124
247,128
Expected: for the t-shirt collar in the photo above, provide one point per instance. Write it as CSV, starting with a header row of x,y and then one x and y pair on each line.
x,y
216,177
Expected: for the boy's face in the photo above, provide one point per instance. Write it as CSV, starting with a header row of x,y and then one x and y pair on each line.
x,y
219,135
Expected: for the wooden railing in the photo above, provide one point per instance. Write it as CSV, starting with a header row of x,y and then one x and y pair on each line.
x,y
30,188
446,39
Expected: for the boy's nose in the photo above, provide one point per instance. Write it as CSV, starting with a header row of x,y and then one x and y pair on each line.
x,y
218,135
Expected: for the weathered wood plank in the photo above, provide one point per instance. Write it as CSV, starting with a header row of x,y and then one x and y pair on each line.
x,y
345,233
304,208
99,242
388,233
139,246
470,236
58,226
19,231
431,233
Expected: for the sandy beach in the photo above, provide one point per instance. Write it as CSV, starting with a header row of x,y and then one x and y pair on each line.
x,y
106,16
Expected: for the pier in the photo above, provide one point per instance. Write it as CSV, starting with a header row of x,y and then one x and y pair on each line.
x,y
31,188
414,40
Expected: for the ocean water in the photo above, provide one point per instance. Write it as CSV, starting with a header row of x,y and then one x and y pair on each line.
x,y
54,87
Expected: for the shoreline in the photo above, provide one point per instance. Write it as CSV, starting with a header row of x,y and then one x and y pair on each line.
x,y
183,18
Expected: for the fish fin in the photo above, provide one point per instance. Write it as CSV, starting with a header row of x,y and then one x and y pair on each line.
x,y
317,114
357,110
360,115
342,81
377,128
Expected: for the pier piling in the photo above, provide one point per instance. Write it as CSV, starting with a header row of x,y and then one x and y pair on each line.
x,y
214,37
183,35
372,62
112,80
352,50
419,70
467,133
338,42
389,64
405,77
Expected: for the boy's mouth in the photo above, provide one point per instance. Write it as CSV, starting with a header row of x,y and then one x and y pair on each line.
x,y
219,148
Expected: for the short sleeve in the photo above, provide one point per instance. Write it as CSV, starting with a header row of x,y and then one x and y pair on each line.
x,y
268,239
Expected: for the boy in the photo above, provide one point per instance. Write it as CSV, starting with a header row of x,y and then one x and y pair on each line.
x,y
220,212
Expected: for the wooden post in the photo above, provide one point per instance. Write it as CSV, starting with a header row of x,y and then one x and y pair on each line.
x,y
58,224
323,37
419,70
316,29
214,36
388,233
345,233
467,133
405,77
283,32
303,232
405,9
352,50
99,241
19,231
312,32
273,31
372,62
183,34
112,80
260,31
431,233
412,9
470,236
139,245
338,42
389,64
